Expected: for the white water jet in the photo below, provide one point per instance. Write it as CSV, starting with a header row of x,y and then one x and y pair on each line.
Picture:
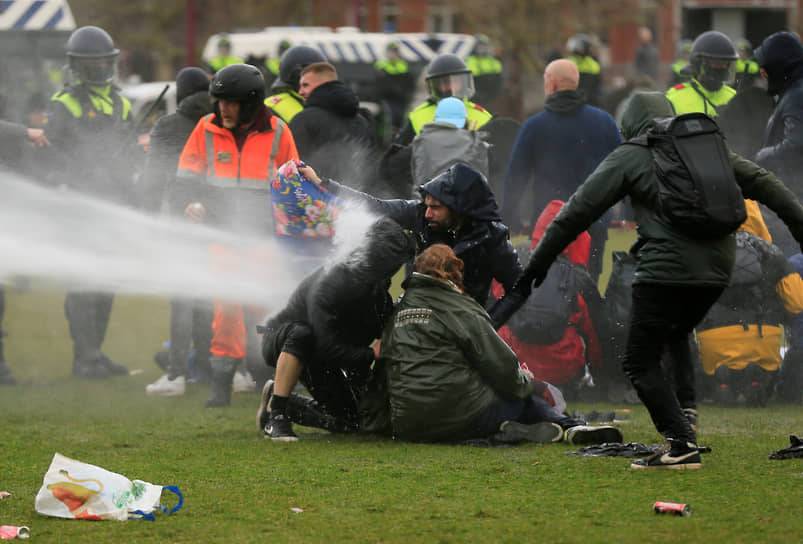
x,y
83,243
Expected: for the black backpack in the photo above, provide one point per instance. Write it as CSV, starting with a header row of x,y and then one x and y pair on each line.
x,y
697,191
544,317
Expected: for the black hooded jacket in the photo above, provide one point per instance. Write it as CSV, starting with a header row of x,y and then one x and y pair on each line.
x,y
168,137
346,303
330,132
482,241
781,55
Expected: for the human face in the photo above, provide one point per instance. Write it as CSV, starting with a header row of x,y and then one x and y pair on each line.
x,y
309,82
229,112
437,215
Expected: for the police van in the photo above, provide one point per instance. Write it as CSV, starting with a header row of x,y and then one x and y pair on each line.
x,y
33,34
351,51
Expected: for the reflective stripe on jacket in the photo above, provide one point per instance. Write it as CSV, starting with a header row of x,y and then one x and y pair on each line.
x,y
476,116
691,97
286,105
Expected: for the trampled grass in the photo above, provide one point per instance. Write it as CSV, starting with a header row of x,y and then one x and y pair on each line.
x,y
240,488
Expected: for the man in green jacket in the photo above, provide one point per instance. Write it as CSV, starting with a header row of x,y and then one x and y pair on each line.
x,y
677,278
451,377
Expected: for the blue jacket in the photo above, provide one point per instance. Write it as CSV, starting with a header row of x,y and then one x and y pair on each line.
x,y
555,151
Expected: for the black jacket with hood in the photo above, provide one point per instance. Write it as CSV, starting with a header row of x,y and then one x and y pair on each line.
x,y
332,135
346,303
781,55
482,241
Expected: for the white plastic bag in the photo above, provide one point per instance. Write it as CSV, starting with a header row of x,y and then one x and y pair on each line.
x,y
75,490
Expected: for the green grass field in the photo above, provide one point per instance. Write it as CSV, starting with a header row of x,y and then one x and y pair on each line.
x,y
240,488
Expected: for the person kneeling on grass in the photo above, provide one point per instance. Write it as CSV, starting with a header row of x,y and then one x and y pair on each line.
x,y
452,378
322,337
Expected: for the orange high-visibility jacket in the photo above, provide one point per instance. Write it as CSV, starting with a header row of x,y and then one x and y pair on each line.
x,y
234,184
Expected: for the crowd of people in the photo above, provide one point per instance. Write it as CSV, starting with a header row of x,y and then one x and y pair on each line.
x,y
483,334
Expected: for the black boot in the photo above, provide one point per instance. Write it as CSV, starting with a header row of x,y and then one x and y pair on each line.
x,y
222,374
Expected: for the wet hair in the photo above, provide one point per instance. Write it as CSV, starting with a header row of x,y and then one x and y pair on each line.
x,y
439,261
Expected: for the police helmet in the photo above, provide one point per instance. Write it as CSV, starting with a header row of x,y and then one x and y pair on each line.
x,y
448,75
579,44
292,62
91,56
713,59
744,47
241,83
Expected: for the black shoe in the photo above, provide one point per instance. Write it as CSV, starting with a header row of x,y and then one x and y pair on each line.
x,y
97,368
583,434
111,368
280,428
263,416
513,432
691,417
677,457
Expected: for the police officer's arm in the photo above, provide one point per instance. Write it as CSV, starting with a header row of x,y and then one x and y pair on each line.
x,y
789,149
759,184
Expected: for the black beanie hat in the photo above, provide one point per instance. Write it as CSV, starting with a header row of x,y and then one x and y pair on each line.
x,y
781,55
190,80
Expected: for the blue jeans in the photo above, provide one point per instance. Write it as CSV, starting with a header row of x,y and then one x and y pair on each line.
x,y
533,409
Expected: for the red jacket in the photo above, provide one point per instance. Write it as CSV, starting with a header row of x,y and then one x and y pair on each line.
x,y
558,363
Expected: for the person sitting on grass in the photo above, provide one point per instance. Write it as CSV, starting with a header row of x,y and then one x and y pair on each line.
x,y
452,378
322,337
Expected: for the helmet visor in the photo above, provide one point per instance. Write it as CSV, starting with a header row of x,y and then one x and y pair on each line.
x,y
457,85
95,71
721,70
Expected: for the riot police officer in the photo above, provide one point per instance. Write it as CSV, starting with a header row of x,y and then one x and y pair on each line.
x,y
579,48
89,125
285,102
713,62
447,75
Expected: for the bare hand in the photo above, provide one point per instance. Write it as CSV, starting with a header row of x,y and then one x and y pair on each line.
x,y
376,347
310,174
37,137
195,212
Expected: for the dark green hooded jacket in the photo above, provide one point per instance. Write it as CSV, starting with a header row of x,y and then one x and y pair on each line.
x,y
665,255
445,362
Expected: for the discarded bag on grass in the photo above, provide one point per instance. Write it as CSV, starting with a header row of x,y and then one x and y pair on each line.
x,y
75,490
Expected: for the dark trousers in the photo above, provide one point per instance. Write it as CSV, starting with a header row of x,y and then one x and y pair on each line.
x,y
533,409
190,321
88,316
663,317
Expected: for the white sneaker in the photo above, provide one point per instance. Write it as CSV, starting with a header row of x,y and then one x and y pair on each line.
x,y
164,387
243,382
